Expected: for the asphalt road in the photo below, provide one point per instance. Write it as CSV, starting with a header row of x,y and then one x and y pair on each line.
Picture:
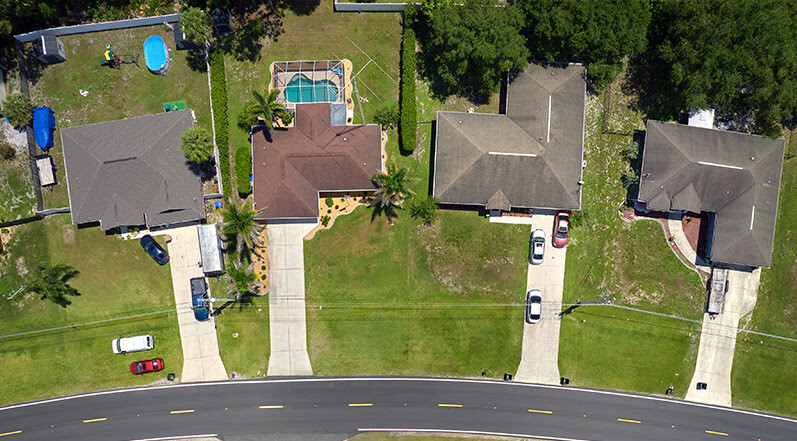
x,y
344,406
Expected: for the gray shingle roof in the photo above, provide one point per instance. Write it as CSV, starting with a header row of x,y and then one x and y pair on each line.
x,y
131,172
531,157
734,175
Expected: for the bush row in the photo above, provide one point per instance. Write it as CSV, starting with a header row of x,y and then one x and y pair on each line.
x,y
218,82
243,168
409,118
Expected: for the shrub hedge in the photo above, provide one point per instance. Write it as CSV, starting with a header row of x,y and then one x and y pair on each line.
x,y
409,118
243,168
218,81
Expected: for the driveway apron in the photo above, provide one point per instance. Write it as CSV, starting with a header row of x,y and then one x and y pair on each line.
x,y
718,340
540,356
201,360
287,318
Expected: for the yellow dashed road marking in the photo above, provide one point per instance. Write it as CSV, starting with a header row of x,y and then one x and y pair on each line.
x,y
539,411
449,405
11,433
182,411
95,420
271,407
361,404
716,433
628,421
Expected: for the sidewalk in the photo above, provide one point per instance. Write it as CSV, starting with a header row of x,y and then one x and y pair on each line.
x,y
287,318
679,237
201,360
718,340
539,362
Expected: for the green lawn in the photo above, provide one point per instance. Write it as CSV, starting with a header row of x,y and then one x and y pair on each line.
x,y
631,262
113,94
17,198
763,368
117,279
246,353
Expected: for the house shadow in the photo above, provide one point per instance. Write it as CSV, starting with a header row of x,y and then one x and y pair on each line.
x,y
632,191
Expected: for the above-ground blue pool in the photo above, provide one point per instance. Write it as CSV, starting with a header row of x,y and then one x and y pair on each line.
x,y
156,55
301,89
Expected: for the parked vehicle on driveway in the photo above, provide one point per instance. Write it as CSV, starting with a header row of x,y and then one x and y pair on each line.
x,y
154,249
561,229
537,248
199,298
533,306
123,345
146,366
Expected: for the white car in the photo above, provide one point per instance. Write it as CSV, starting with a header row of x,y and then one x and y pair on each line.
x,y
533,306
537,248
123,345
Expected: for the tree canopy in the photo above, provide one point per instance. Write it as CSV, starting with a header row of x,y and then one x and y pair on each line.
x,y
196,25
197,145
724,54
599,33
471,44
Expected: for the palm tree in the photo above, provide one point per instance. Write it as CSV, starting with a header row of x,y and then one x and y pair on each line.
x,y
425,209
239,228
242,281
52,283
196,25
197,145
266,109
393,186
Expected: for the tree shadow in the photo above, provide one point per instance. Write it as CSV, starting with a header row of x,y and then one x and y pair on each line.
x,y
33,67
303,7
196,60
245,43
632,191
647,82
388,211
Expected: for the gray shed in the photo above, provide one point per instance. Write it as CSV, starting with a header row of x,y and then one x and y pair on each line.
x,y
50,49
210,248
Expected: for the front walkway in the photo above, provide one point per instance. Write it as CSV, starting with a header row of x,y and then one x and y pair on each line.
x,y
201,360
539,362
287,317
679,237
718,340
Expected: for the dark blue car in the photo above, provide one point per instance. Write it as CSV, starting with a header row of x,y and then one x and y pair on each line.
x,y
154,249
199,299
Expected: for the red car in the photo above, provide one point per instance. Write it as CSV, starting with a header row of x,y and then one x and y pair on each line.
x,y
146,366
561,228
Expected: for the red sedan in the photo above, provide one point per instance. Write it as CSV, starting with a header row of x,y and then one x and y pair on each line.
x,y
146,366
561,228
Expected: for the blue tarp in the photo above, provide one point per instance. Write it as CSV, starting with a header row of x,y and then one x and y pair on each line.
x,y
43,127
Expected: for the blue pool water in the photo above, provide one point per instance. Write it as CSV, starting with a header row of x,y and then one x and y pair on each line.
x,y
301,89
155,55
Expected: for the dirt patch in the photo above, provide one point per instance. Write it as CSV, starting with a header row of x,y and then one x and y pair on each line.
x,y
22,270
68,234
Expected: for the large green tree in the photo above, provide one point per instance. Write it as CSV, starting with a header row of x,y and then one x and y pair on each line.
x,y
18,109
393,186
727,54
196,25
471,44
599,33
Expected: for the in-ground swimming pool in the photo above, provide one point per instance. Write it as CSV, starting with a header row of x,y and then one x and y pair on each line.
x,y
156,55
301,89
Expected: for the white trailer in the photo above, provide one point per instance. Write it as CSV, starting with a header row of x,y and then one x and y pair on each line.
x,y
210,248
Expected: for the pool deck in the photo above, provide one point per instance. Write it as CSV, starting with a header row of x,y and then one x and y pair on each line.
x,y
323,75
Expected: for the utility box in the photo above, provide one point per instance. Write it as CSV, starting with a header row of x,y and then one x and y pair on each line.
x,y
50,49
221,20
210,250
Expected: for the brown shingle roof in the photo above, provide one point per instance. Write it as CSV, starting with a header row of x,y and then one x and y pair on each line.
x,y
292,165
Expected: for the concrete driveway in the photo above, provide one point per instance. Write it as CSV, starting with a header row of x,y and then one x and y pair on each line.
x,y
287,318
201,360
540,357
718,340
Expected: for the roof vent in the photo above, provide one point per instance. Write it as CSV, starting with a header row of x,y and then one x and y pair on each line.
x,y
580,182
345,139
460,121
752,158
